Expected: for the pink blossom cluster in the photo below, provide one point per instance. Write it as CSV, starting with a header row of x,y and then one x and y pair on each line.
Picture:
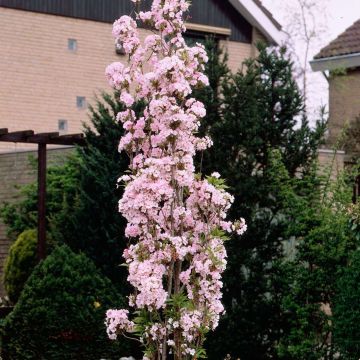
x,y
176,219
117,321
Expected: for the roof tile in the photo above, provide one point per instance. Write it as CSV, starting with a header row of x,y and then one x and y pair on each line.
x,y
346,43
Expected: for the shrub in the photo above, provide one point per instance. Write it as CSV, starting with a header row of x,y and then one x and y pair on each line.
x,y
60,313
20,263
82,195
346,311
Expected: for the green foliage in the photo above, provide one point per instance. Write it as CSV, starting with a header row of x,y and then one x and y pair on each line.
x,y
20,263
62,189
354,213
216,70
346,310
60,313
283,272
257,148
94,226
82,195
325,244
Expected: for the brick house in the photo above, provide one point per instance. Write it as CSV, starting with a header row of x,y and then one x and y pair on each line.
x,y
53,55
340,63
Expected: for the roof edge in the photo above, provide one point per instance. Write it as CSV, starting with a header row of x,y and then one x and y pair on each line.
x,y
344,44
336,62
258,18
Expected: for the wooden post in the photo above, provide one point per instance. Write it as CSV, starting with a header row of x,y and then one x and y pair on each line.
x,y
41,246
42,139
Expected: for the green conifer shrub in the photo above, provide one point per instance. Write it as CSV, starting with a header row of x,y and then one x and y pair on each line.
x,y
20,263
260,111
60,313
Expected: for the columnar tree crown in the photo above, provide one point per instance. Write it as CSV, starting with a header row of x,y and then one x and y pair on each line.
x,y
176,218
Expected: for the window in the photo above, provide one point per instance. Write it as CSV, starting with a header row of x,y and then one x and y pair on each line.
x,y
81,102
72,45
62,126
193,37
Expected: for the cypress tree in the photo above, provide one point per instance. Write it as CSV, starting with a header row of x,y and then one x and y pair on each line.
x,y
260,109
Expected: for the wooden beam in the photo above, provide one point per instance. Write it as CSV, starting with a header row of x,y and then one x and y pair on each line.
x,y
73,136
41,245
208,29
73,139
16,136
42,137
53,138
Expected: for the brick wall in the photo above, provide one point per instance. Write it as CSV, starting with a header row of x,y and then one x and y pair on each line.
x,y
344,107
331,162
41,78
344,102
15,170
237,52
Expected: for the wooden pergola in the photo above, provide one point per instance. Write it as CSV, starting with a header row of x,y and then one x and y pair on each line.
x,y
42,140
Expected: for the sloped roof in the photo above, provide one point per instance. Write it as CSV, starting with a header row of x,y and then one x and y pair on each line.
x,y
345,44
268,13
261,18
253,11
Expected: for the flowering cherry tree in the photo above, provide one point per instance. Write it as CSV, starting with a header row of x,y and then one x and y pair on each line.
x,y
176,218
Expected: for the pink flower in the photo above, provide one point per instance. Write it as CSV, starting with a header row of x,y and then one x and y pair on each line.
x,y
175,219
132,231
127,99
145,16
118,75
117,321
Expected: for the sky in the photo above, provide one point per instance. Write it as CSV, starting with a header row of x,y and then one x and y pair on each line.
x,y
332,17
